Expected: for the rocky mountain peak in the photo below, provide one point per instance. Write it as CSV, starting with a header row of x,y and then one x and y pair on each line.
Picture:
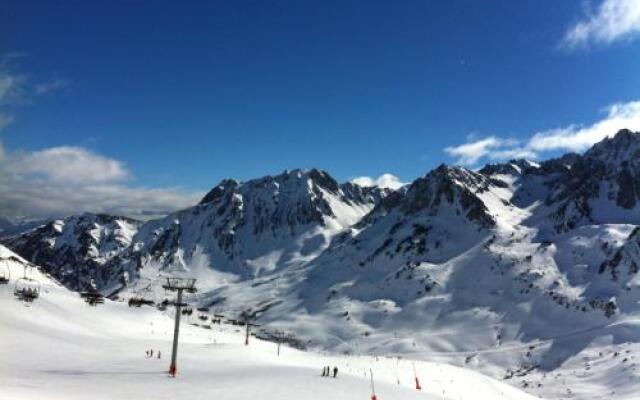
x,y
218,192
288,181
623,146
455,187
514,167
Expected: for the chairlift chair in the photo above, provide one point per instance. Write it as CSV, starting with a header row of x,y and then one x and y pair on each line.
x,y
27,289
163,305
142,296
92,296
140,301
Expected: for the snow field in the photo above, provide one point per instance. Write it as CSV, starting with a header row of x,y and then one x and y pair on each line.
x,y
61,348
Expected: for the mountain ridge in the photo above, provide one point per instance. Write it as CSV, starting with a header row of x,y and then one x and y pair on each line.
x,y
506,257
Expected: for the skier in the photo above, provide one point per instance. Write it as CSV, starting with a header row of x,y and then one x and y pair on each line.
x,y
158,354
151,353
147,353
335,372
324,371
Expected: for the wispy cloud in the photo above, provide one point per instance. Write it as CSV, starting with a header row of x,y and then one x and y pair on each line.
x,y
68,180
5,120
470,152
384,181
16,89
613,20
12,85
50,86
570,138
11,93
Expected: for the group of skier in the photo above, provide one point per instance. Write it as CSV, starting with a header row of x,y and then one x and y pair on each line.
x,y
150,353
326,371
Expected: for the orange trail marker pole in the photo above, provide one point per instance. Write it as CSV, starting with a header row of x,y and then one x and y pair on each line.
x,y
373,389
415,375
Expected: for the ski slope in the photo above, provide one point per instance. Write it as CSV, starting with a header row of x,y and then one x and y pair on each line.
x,y
61,348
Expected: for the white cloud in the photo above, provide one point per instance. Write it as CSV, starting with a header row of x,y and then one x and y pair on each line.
x,y
11,86
570,138
11,92
69,165
5,120
613,20
470,152
49,86
576,138
69,180
384,181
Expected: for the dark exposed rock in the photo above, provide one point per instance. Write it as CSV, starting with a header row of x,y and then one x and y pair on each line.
x,y
77,249
451,185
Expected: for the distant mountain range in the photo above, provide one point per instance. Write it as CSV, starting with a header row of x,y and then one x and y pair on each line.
x,y
9,228
538,257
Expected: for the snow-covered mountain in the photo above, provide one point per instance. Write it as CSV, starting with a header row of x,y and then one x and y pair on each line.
x,y
253,228
77,249
243,229
602,186
520,269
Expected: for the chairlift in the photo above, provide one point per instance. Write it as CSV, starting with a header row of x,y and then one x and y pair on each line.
x,y
92,298
140,301
142,296
27,289
163,305
217,318
5,274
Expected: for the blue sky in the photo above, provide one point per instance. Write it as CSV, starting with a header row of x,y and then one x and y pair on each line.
x,y
179,96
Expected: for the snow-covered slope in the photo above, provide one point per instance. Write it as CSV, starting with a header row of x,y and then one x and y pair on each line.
x,y
14,267
525,271
497,270
61,348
